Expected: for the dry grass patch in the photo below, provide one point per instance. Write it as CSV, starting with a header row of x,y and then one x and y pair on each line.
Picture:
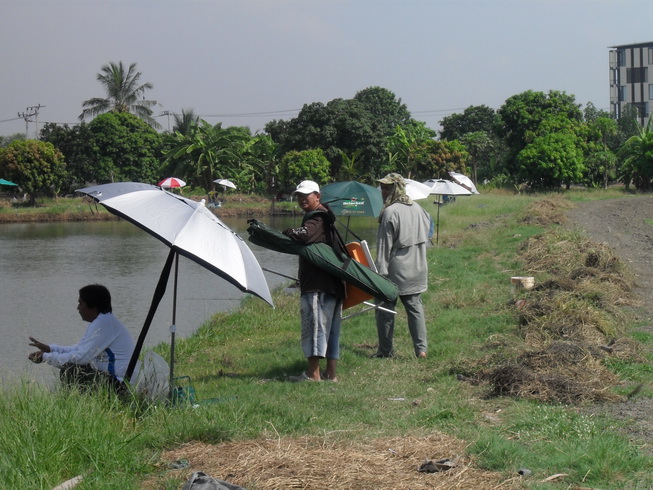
x,y
546,212
569,324
324,463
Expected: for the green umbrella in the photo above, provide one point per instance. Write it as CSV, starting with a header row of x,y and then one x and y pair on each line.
x,y
352,198
6,182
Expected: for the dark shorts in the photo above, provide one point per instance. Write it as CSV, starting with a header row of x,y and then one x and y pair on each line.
x,y
86,377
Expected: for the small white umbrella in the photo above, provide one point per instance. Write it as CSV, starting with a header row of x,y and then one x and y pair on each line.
x,y
443,187
465,181
417,190
225,183
189,229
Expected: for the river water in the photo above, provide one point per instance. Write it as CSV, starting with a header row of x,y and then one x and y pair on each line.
x,y
43,265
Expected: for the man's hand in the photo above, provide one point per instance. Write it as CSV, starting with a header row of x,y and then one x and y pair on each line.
x,y
36,357
39,345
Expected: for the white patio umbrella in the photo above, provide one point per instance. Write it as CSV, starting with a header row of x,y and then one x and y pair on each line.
x,y
189,229
465,181
225,183
443,187
417,190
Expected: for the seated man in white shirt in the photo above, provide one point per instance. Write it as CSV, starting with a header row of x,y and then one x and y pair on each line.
x,y
103,353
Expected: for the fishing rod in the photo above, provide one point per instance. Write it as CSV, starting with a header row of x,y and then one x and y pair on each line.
x,y
280,274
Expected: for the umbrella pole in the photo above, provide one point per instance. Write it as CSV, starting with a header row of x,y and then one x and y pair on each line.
x,y
173,327
437,226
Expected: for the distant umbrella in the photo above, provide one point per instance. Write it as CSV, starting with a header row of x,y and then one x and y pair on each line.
x,y
417,190
171,183
6,182
465,181
225,183
443,187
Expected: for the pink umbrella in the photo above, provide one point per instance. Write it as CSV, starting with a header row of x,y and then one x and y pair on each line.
x,y
171,182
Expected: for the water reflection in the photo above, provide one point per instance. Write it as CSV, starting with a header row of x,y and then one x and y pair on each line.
x,y
43,265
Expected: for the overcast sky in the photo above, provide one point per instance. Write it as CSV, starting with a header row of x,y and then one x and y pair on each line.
x,y
246,62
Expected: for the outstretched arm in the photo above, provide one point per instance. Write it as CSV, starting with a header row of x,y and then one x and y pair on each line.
x,y
37,357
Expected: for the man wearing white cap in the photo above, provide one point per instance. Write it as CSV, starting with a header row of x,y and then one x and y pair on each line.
x,y
321,293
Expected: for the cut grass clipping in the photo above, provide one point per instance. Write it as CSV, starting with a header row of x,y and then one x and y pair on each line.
x,y
569,323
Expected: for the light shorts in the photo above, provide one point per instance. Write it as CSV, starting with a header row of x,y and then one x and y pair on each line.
x,y
321,319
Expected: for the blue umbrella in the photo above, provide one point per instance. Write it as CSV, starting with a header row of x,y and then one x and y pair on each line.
x,y
6,182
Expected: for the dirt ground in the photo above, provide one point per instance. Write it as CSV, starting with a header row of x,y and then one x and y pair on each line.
x,y
622,225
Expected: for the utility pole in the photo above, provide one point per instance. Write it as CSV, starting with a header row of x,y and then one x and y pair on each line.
x,y
32,111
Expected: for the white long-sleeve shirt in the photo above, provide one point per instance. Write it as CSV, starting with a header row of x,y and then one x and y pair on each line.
x,y
105,338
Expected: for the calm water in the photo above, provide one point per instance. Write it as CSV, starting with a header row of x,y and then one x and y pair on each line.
x,y
43,265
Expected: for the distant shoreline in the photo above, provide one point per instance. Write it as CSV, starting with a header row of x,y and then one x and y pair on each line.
x,y
75,209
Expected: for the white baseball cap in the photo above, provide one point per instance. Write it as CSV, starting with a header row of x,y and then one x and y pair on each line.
x,y
307,187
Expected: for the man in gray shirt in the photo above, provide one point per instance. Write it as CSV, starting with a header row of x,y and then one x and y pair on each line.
x,y
401,257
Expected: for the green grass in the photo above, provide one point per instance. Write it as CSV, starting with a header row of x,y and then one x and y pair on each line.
x,y
244,358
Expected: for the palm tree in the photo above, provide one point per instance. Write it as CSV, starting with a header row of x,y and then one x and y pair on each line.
x,y
637,166
124,94
185,122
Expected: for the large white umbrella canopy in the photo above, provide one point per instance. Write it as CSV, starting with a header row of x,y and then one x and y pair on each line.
x,y
465,181
417,190
189,229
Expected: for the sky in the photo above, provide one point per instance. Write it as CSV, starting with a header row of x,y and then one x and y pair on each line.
x,y
247,62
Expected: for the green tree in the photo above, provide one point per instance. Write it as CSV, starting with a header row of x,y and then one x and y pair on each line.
x,y
483,150
520,118
302,165
601,161
263,156
344,126
551,160
349,168
124,93
206,153
435,159
472,120
76,145
591,113
36,166
628,124
185,122
386,110
7,140
637,167
403,142
124,148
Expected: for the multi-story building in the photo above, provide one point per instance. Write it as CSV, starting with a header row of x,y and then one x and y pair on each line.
x,y
629,79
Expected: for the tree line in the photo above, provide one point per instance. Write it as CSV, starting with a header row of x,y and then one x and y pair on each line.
x,y
543,141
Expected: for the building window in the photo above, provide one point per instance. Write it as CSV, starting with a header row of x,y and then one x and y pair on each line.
x,y
622,93
642,109
637,75
621,57
650,90
650,56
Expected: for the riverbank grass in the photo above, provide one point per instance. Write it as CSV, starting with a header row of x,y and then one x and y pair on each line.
x,y
239,364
